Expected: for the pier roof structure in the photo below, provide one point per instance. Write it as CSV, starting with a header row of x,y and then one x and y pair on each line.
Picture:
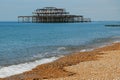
x,y
51,15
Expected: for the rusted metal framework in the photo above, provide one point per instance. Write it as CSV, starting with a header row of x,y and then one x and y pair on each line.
x,y
52,15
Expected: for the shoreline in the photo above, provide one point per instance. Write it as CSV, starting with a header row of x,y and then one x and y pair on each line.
x,y
27,66
23,67
56,69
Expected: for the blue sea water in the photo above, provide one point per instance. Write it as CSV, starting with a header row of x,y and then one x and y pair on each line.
x,y
30,42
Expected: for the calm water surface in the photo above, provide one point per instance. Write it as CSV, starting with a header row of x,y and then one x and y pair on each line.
x,y
27,42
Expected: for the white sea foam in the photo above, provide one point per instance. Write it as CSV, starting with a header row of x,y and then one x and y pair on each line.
x,y
116,42
61,48
85,50
20,68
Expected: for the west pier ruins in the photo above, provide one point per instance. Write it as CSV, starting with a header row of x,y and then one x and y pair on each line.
x,y
52,15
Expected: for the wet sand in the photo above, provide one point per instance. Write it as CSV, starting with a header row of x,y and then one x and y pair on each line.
x,y
99,64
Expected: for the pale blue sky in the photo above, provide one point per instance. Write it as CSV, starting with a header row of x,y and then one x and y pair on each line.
x,y
95,9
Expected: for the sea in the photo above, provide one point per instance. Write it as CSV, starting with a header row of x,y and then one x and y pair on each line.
x,y
23,46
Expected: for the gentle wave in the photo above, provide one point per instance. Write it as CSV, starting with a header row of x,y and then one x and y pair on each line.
x,y
20,68
61,48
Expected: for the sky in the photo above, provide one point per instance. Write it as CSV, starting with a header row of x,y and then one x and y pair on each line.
x,y
97,10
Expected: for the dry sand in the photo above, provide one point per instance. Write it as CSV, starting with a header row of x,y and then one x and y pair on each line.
x,y
100,64
107,68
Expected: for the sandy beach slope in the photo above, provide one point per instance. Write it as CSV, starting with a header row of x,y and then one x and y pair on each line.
x,y
99,64
107,68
